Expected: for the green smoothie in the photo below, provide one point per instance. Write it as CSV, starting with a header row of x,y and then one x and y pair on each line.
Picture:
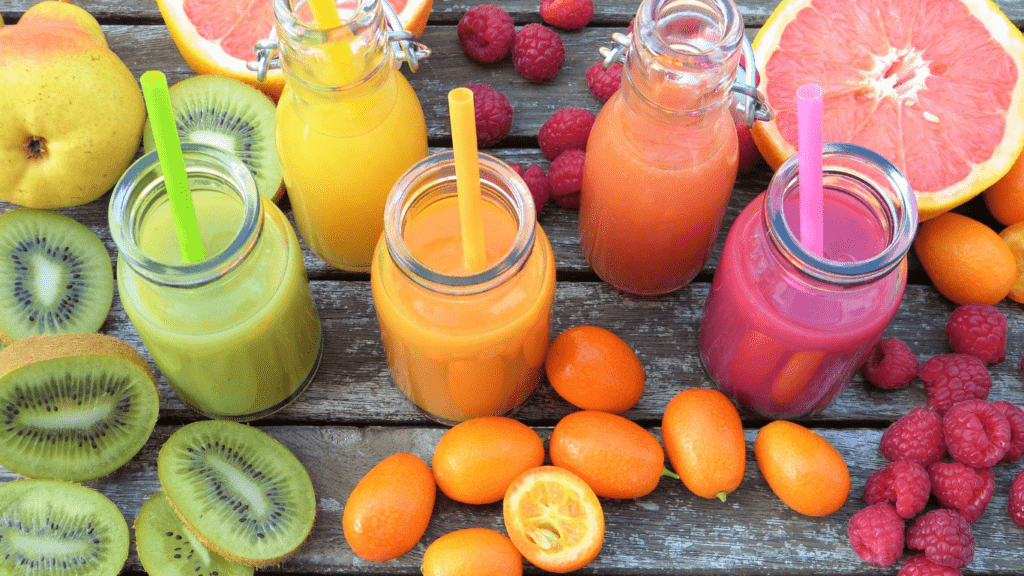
x,y
243,344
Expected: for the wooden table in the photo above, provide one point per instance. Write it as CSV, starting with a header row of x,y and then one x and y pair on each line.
x,y
353,416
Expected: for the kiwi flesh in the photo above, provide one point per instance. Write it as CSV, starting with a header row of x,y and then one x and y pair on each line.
x,y
167,548
243,493
59,528
232,115
55,275
74,406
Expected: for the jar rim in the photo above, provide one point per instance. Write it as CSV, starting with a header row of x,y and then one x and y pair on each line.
x,y
143,184
435,172
892,191
651,17
309,32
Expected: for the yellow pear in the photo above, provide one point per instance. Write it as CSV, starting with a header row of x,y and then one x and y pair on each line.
x,y
73,113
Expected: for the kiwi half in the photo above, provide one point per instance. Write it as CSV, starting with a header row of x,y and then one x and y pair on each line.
x,y
243,493
232,115
74,406
167,548
55,276
59,528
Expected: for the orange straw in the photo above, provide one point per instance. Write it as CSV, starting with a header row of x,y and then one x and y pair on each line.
x,y
467,178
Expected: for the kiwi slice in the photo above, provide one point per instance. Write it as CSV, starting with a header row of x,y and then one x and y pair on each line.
x,y
74,406
243,493
55,276
167,548
232,115
56,527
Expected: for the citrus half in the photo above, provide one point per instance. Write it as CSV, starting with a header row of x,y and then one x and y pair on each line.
x,y
218,36
935,86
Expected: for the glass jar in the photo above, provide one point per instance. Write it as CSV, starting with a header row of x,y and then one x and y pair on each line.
x,y
463,345
348,125
784,329
237,335
662,155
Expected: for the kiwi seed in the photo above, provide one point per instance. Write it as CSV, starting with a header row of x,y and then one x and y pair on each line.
x,y
232,115
243,493
57,527
167,548
74,406
55,276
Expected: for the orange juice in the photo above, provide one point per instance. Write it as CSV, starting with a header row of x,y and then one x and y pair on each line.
x,y
460,345
348,125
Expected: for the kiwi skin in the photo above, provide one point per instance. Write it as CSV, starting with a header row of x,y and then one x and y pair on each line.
x,y
182,484
25,353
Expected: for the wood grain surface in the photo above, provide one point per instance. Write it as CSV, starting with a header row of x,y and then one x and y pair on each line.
x,y
352,416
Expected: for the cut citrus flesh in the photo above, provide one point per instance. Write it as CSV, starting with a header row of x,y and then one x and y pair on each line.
x,y
218,36
554,519
934,86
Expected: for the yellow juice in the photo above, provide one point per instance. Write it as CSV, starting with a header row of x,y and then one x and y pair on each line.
x,y
341,153
243,344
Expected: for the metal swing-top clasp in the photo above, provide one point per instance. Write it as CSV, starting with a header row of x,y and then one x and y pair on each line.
x,y
751,105
404,46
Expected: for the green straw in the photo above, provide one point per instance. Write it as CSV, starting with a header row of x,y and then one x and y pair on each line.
x,y
168,150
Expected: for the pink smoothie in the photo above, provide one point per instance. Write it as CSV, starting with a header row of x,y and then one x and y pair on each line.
x,y
779,342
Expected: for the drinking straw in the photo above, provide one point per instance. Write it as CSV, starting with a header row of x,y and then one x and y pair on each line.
x,y
467,177
339,56
172,163
809,137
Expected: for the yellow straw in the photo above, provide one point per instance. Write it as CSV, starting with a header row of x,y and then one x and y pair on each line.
x,y
467,178
338,55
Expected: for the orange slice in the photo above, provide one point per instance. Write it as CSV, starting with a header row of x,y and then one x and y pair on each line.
x,y
935,86
217,36
554,519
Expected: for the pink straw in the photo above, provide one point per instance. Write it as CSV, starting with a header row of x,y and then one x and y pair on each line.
x,y
808,116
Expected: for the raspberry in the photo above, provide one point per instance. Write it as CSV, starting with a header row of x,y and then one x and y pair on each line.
x,y
567,14
945,536
916,436
962,488
566,177
876,534
566,129
603,83
952,378
978,330
904,484
919,565
486,33
1015,416
537,181
537,52
890,364
493,114
1016,504
976,433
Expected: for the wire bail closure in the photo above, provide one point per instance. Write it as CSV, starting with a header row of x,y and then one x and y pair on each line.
x,y
751,106
404,47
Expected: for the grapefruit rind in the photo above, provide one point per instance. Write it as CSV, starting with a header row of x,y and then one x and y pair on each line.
x,y
776,148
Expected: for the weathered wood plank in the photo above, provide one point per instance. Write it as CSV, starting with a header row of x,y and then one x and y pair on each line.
x,y
670,531
353,385
606,12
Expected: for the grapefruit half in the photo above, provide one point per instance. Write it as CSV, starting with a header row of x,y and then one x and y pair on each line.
x,y
935,86
217,36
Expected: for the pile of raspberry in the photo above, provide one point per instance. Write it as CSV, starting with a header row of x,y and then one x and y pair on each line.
x,y
946,449
487,35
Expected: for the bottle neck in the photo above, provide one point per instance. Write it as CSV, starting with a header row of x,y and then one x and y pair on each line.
x,y
867,199
683,56
433,180
141,192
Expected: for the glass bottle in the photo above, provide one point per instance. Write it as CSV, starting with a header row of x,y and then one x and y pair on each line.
x,y
784,329
662,155
236,335
348,125
463,345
